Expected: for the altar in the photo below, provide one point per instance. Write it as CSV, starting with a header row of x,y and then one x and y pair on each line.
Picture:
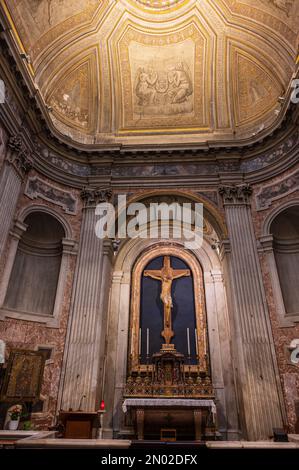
x,y
168,394
193,419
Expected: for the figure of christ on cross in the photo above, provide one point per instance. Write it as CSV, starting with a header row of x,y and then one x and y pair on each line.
x,y
166,275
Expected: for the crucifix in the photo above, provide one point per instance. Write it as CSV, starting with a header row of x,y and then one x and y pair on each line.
x,y
166,275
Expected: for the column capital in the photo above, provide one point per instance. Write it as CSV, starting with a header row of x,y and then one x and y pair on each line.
x,y
19,156
93,196
236,194
15,143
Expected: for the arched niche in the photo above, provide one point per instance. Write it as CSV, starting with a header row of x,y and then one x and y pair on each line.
x,y
206,259
285,231
34,278
280,241
33,282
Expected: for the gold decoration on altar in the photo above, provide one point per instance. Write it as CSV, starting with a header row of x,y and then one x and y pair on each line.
x,y
168,377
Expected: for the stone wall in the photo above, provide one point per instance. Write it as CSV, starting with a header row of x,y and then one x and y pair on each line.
x,y
30,334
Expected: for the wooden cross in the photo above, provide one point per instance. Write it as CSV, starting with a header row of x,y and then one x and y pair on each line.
x,y
166,275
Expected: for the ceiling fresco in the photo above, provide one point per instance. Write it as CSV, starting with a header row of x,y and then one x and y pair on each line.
x,y
158,71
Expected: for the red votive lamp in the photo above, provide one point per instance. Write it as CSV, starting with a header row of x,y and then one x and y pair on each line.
x,y
102,405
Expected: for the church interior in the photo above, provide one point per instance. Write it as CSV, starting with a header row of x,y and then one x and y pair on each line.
x,y
119,105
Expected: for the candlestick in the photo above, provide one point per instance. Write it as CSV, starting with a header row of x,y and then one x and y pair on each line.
x,y
188,341
140,342
196,342
147,341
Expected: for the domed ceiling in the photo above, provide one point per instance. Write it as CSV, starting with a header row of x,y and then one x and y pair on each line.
x,y
159,71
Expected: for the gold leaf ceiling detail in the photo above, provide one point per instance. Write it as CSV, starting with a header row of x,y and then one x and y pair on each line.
x,y
159,72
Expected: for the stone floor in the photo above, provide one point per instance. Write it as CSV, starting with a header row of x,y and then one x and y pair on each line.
x,y
46,439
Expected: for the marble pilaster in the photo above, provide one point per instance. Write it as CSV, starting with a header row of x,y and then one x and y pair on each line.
x,y
83,361
16,165
257,378
220,355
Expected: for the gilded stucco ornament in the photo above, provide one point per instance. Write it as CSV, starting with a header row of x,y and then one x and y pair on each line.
x,y
159,72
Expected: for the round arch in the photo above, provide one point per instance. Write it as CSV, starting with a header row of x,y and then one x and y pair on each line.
x,y
212,212
118,330
275,212
47,210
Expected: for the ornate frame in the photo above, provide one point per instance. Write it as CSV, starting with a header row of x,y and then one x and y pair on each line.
x,y
199,297
201,116
16,361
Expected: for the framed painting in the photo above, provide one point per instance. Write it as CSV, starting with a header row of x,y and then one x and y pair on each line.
x,y
23,376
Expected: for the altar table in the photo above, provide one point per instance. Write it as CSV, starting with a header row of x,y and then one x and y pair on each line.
x,y
176,412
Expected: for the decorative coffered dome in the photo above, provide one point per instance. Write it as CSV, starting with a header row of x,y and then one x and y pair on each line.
x,y
160,72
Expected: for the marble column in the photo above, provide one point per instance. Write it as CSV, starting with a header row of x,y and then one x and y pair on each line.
x,y
16,165
82,370
258,385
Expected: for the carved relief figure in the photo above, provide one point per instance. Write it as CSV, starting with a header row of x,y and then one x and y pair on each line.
x,y
145,86
164,82
161,91
181,81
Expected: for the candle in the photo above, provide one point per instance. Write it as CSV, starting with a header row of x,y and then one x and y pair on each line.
x,y
147,341
188,341
196,342
140,342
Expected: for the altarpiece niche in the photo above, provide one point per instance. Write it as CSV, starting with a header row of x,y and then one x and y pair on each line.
x,y
168,344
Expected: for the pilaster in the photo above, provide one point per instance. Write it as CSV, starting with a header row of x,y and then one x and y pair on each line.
x,y
258,384
83,361
18,162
